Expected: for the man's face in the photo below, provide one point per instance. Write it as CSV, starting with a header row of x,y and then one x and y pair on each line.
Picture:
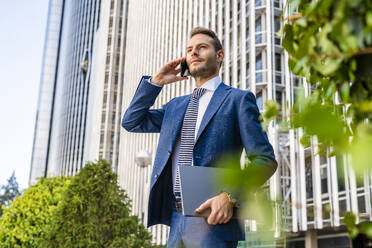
x,y
201,56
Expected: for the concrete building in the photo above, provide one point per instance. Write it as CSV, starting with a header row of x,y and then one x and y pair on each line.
x,y
314,190
106,89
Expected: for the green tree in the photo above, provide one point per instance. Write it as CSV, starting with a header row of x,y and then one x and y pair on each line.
x,y
8,192
24,222
95,212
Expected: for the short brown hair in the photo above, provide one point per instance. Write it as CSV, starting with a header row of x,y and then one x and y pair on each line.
x,y
200,30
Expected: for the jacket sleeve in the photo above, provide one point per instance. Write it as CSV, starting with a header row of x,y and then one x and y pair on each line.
x,y
138,117
257,146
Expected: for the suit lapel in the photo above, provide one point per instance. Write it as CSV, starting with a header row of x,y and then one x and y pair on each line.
x,y
219,95
179,112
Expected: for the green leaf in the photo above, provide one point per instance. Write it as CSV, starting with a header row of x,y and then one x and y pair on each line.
x,y
288,41
361,149
327,66
293,5
369,18
300,66
301,22
349,220
354,3
271,109
353,232
364,106
284,126
366,228
345,92
305,140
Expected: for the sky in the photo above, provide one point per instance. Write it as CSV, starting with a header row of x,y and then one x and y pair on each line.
x,y
22,32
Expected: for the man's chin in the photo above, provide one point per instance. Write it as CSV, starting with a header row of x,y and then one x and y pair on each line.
x,y
200,73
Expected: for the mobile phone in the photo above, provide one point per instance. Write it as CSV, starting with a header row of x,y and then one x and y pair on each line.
x,y
184,69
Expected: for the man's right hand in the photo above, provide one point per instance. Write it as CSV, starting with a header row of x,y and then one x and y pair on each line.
x,y
168,73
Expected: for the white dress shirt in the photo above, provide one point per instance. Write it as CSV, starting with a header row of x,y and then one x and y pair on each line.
x,y
210,86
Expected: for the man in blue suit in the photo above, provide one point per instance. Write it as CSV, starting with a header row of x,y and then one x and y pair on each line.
x,y
195,130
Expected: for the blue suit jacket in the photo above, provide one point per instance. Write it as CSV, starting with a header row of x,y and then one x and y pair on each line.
x,y
230,123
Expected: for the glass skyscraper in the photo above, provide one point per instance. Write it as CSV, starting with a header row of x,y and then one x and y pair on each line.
x,y
73,84
60,129
45,108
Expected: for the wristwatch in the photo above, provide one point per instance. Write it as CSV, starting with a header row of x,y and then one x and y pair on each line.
x,y
232,200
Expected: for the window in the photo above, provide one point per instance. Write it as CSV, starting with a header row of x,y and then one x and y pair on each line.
x,y
361,204
342,206
277,3
278,97
259,100
259,77
308,178
324,180
276,24
340,173
278,79
259,62
278,62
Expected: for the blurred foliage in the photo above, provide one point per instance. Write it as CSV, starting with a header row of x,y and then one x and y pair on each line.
x,y
247,187
330,46
354,228
86,210
8,192
23,222
271,111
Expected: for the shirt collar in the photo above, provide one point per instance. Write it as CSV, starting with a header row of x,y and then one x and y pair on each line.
x,y
212,83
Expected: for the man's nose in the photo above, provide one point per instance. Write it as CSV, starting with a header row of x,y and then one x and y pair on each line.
x,y
194,52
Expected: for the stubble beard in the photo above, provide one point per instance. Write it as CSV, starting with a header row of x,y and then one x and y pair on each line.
x,y
209,68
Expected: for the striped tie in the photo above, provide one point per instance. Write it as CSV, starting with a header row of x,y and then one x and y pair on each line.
x,y
187,137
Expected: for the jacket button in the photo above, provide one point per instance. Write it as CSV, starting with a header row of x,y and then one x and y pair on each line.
x,y
156,176
169,152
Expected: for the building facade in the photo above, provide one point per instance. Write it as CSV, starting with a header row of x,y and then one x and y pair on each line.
x,y
106,90
79,110
45,107
62,132
72,87
313,191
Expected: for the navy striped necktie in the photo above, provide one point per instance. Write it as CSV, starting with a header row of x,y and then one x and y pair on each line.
x,y
187,137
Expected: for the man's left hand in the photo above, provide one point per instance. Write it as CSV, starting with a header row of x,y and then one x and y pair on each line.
x,y
221,209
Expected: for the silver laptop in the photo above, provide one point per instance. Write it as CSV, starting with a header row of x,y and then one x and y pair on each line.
x,y
198,184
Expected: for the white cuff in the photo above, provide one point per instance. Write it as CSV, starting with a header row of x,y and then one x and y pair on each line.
x,y
148,80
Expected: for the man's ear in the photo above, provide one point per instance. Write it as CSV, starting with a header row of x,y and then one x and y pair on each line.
x,y
219,56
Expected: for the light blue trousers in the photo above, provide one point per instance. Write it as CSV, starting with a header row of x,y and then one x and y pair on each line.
x,y
193,232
